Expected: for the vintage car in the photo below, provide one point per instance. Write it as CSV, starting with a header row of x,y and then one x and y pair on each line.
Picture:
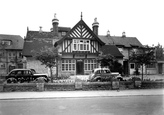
x,y
24,75
103,74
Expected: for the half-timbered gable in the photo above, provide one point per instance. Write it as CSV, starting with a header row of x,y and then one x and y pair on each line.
x,y
79,48
80,39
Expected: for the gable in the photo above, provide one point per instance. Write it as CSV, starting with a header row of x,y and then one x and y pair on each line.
x,y
16,41
111,49
81,31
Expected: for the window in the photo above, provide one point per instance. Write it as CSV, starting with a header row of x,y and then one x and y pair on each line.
x,y
2,65
68,65
151,65
81,45
6,42
132,66
90,64
63,33
2,53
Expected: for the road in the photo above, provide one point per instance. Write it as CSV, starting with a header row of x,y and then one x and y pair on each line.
x,y
123,105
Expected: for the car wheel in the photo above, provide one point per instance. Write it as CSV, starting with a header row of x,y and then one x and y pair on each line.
x,y
11,80
120,79
98,80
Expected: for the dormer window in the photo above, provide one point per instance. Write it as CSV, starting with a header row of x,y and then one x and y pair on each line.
x,y
63,33
6,42
81,45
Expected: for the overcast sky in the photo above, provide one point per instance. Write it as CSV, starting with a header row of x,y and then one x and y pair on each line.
x,y
143,19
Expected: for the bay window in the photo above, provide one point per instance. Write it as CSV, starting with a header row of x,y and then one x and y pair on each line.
x,y
81,45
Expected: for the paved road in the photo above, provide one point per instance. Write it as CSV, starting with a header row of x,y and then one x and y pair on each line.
x,y
126,105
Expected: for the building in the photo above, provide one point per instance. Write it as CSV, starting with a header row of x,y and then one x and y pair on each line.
x,y
79,47
125,45
11,47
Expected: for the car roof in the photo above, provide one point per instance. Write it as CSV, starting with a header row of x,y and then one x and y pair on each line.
x,y
18,69
101,69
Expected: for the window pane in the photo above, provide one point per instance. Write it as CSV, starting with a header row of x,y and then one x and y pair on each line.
x,y
73,67
70,67
66,67
89,68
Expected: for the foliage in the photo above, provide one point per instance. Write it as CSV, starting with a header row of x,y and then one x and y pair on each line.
x,y
110,62
144,57
48,57
159,52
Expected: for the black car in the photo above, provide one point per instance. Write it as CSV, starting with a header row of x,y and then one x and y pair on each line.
x,y
24,75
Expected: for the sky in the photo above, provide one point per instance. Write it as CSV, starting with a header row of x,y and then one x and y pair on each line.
x,y
143,19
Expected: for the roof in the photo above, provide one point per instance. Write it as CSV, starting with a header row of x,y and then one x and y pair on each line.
x,y
36,40
111,49
79,31
30,47
121,41
36,34
17,41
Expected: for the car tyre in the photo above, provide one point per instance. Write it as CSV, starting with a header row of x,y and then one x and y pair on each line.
x,y
11,80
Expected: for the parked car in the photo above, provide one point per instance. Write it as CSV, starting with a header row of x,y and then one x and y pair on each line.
x,y
104,74
24,75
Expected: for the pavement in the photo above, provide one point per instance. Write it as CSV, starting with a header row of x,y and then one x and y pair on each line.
x,y
79,94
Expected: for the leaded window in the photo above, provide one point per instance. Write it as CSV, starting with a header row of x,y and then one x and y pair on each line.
x,y
90,64
68,65
81,45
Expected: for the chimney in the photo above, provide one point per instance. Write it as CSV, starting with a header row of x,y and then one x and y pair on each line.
x,y
123,34
95,26
40,30
55,23
108,33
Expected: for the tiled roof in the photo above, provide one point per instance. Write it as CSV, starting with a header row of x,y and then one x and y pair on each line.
x,y
17,41
36,45
36,34
36,40
121,41
76,28
111,49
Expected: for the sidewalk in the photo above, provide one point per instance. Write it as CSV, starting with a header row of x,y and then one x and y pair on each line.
x,y
78,94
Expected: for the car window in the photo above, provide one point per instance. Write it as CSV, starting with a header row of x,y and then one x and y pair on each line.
x,y
12,73
98,72
107,71
19,73
27,72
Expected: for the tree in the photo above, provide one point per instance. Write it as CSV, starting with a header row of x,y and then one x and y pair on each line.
x,y
109,61
159,52
49,57
143,57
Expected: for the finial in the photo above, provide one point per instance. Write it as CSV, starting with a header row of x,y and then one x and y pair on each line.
x,y
27,29
95,20
81,15
55,15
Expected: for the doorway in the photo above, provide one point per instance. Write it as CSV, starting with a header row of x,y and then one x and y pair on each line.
x,y
79,67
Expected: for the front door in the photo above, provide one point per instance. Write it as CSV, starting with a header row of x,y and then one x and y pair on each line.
x,y
160,68
79,67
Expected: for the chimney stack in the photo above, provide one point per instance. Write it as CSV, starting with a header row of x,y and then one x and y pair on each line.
x,y
108,33
40,31
55,23
95,26
123,34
